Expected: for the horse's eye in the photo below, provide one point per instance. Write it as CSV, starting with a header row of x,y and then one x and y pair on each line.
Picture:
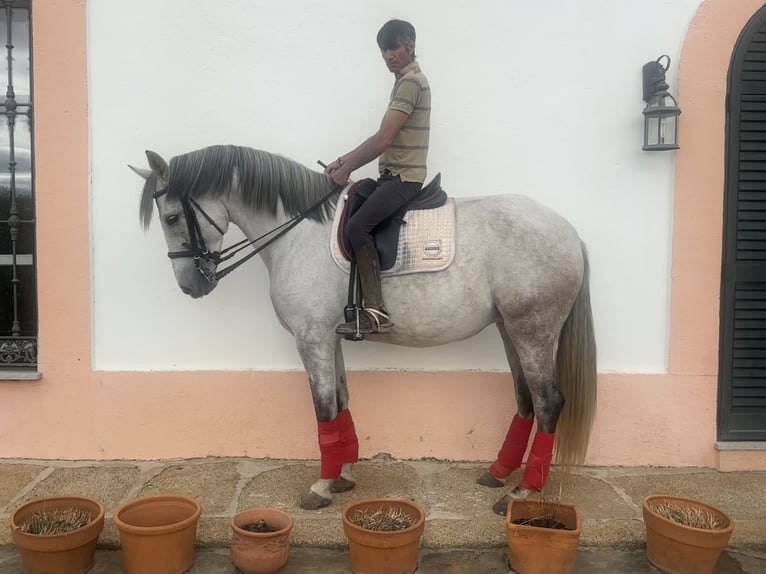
x,y
172,219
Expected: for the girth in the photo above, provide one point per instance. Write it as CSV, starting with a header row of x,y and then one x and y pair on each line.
x,y
386,234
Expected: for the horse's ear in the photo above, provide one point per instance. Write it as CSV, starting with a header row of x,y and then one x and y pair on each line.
x,y
158,165
145,173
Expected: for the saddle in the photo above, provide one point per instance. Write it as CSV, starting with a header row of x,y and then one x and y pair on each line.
x,y
386,234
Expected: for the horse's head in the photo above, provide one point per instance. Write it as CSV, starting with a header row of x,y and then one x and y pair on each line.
x,y
193,227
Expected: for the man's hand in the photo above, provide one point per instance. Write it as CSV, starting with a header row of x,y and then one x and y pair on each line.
x,y
338,171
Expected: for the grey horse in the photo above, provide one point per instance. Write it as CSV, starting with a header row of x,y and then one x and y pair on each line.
x,y
518,265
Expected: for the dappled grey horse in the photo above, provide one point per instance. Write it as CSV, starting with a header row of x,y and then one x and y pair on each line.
x,y
518,265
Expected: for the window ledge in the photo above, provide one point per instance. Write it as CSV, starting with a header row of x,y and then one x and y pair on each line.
x,y
741,445
18,375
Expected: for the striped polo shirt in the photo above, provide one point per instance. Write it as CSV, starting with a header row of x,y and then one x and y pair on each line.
x,y
406,157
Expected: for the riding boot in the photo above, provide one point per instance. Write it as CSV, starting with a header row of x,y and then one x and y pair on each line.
x,y
373,317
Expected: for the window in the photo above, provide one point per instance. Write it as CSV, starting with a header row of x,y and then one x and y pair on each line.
x,y
18,285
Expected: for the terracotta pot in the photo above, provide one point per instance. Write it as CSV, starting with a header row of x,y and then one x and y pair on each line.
x,y
260,552
69,553
157,533
376,552
679,549
535,550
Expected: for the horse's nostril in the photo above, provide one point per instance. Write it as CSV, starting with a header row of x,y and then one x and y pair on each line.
x,y
186,290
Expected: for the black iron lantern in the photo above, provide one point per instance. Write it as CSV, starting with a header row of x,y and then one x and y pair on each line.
x,y
661,111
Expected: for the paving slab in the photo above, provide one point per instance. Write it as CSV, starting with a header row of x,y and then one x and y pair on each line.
x,y
15,477
742,495
213,484
737,494
108,484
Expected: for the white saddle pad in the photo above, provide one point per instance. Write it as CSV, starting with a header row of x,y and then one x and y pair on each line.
x,y
426,241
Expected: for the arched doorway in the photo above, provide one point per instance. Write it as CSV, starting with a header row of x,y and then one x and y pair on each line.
x,y
742,373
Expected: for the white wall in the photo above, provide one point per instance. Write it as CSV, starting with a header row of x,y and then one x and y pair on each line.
x,y
541,98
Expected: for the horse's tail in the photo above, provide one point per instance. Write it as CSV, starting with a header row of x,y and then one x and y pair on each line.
x,y
576,375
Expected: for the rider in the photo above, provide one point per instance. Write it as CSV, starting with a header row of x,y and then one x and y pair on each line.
x,y
401,142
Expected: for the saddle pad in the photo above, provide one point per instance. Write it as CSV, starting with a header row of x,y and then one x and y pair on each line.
x,y
426,242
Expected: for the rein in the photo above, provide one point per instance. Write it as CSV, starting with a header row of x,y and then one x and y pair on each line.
x,y
197,249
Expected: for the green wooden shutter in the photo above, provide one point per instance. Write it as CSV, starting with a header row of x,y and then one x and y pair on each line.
x,y
742,409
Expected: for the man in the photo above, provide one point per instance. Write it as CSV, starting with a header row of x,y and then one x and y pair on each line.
x,y
401,143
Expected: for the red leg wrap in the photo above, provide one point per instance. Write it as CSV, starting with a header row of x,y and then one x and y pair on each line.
x,y
539,462
338,444
351,453
515,445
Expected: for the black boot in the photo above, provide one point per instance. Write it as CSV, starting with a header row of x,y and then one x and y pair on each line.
x,y
373,318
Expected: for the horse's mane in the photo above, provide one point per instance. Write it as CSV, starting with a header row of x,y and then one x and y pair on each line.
x,y
264,180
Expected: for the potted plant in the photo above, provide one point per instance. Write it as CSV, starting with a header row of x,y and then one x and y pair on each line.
x,y
384,535
542,536
684,536
157,533
260,540
57,534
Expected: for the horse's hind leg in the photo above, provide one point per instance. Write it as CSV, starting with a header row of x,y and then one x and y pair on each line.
x,y
511,454
535,355
548,402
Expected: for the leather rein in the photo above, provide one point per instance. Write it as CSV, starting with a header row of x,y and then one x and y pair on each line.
x,y
196,248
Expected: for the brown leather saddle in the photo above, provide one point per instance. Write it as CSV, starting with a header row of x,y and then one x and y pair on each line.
x,y
386,234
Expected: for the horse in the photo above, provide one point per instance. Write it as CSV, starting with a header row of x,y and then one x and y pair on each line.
x,y
518,265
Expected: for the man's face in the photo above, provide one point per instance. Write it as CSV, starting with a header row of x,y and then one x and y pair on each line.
x,y
398,58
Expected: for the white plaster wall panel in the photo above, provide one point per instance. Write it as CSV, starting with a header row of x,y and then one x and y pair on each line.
x,y
538,98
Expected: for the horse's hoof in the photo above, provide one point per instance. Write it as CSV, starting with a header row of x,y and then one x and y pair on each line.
x,y
501,506
342,485
520,492
487,479
312,501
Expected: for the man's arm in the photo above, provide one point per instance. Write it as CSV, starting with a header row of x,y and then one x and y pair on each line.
x,y
340,170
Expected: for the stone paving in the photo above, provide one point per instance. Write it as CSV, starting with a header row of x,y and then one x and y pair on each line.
x,y
460,522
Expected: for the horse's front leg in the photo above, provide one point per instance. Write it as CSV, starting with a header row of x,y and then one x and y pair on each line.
x,y
338,443
346,481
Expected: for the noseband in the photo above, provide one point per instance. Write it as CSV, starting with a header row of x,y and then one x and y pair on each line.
x,y
196,247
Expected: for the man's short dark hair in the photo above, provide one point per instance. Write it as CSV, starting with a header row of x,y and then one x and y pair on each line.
x,y
395,31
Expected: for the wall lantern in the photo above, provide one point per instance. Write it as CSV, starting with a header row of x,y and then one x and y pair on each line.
x,y
661,111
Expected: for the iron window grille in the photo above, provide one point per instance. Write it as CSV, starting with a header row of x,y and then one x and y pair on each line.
x,y
18,280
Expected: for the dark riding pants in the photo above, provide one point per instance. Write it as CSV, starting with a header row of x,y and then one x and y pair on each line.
x,y
391,194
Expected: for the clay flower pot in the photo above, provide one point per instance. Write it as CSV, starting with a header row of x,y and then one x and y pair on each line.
x,y
157,533
679,549
538,550
68,553
381,552
260,552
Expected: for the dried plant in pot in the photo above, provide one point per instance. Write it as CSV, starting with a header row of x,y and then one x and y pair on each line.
x,y
57,534
260,541
157,533
384,535
543,536
683,535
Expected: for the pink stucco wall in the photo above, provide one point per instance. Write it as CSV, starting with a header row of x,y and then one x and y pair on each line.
x,y
75,412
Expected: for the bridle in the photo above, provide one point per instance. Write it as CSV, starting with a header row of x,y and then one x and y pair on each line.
x,y
196,248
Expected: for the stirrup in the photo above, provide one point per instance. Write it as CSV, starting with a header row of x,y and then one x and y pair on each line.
x,y
369,321
380,322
